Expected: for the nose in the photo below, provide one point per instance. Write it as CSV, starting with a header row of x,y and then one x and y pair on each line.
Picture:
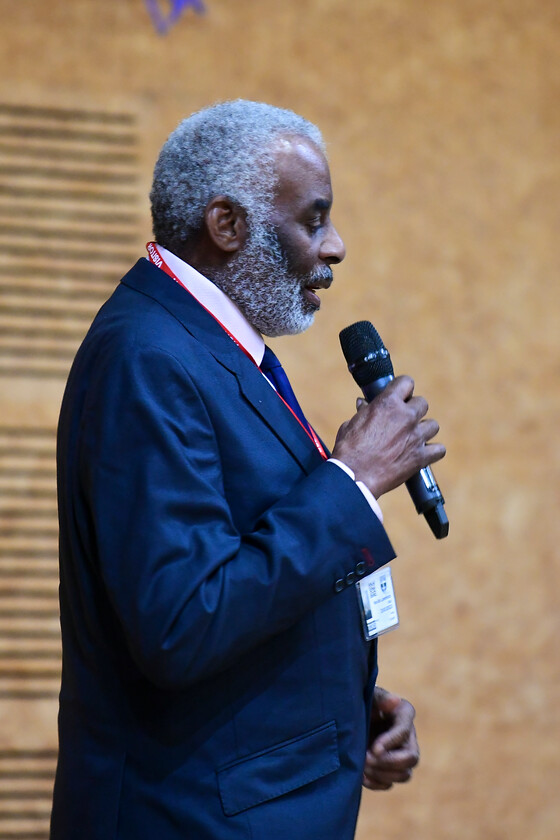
x,y
332,247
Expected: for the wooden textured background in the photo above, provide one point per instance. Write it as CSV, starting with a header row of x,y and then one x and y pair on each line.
x,y
443,124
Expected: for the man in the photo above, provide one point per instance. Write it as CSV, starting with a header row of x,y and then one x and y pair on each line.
x,y
216,680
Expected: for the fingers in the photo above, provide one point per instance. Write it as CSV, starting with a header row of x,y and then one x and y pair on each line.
x,y
428,429
382,781
393,744
381,773
393,751
434,452
403,386
418,405
401,389
389,768
397,759
387,776
389,439
400,734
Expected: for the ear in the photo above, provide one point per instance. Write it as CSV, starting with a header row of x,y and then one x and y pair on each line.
x,y
226,224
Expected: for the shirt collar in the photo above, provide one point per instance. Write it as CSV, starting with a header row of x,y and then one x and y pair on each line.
x,y
217,303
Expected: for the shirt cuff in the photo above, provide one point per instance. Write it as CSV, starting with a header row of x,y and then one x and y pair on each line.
x,y
368,495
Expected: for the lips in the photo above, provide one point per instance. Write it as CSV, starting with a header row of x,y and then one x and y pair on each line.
x,y
321,280
311,297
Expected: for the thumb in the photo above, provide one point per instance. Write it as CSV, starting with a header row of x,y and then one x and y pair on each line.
x,y
388,703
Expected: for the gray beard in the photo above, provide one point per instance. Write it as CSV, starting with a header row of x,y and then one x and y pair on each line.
x,y
268,293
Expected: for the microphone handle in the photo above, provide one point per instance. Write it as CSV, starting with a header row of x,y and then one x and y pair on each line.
x,y
422,486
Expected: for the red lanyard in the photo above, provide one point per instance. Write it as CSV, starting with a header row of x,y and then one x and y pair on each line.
x,y
156,258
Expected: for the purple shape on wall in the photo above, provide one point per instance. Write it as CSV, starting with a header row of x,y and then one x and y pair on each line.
x,y
163,21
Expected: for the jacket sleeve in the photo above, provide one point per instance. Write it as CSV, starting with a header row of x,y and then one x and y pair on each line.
x,y
190,592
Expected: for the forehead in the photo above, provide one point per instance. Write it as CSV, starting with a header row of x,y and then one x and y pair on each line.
x,y
303,176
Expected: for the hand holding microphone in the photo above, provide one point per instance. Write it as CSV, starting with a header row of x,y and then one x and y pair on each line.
x,y
387,442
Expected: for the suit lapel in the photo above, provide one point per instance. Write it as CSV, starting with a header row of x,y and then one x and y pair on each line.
x,y
150,280
272,410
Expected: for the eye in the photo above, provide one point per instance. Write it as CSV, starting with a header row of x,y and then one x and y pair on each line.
x,y
314,225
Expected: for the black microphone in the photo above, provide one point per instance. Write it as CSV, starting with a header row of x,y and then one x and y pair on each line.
x,y
370,364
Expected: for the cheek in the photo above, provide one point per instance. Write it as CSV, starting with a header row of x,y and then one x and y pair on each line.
x,y
300,256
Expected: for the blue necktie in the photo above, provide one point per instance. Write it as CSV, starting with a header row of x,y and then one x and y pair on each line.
x,y
276,374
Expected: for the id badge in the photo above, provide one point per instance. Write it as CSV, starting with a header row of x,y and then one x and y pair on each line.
x,y
378,606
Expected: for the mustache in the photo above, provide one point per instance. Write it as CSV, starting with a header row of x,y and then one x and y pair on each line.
x,y
321,277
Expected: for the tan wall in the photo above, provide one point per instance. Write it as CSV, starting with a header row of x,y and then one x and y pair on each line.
x,y
443,122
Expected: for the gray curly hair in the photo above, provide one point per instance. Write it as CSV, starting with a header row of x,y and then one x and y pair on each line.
x,y
225,149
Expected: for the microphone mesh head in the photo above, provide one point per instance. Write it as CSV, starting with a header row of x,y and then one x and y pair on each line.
x,y
365,353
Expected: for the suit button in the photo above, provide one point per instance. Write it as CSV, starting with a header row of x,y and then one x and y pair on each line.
x,y
339,585
350,578
360,568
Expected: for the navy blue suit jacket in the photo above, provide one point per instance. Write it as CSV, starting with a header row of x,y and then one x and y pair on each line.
x,y
215,684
